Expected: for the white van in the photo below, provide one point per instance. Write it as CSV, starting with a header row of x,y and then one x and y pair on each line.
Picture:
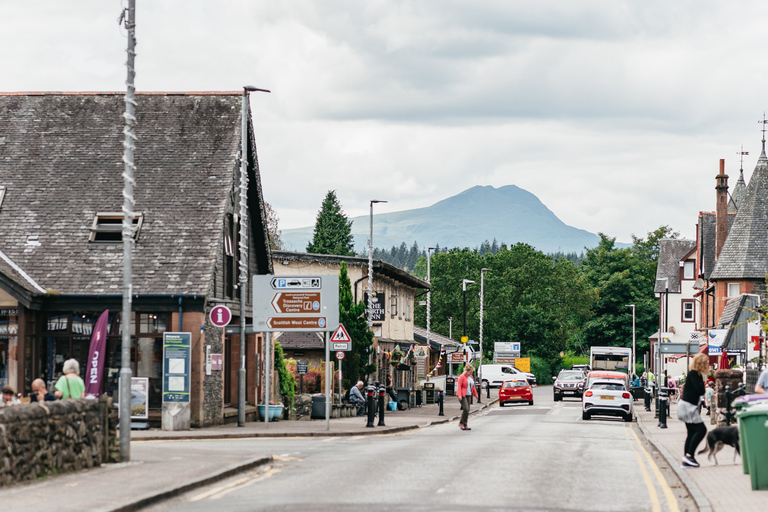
x,y
494,374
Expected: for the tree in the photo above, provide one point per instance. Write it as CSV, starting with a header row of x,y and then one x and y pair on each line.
x,y
273,230
333,231
352,317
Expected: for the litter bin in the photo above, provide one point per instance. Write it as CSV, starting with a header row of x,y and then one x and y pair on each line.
x,y
742,403
449,386
429,393
754,443
318,406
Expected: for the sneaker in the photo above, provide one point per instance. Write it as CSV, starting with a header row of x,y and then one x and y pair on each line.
x,y
689,462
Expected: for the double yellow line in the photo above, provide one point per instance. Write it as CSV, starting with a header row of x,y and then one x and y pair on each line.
x,y
654,495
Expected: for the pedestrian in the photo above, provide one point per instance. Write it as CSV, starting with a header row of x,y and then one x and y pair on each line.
x,y
671,385
708,398
390,391
40,392
466,389
356,397
761,387
9,396
70,385
688,408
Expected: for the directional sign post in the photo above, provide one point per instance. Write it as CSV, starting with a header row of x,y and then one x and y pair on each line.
x,y
341,340
295,303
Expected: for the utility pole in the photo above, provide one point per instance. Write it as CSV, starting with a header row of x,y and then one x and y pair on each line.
x,y
126,372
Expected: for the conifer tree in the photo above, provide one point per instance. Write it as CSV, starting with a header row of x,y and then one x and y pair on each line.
x,y
352,317
333,231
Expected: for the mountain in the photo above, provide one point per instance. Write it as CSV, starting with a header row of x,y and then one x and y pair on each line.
x,y
509,214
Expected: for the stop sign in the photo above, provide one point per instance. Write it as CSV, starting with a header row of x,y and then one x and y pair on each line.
x,y
221,316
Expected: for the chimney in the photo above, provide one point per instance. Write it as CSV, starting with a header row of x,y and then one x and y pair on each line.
x,y
721,212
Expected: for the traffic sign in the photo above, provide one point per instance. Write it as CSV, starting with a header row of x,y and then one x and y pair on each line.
x,y
464,339
679,348
339,355
221,316
341,339
295,303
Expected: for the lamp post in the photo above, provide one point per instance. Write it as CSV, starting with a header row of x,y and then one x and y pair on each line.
x,y
480,365
634,356
429,291
243,263
370,280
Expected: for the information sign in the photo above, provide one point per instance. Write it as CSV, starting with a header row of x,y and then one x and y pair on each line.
x,y
302,367
457,357
296,303
139,398
177,351
221,316
505,347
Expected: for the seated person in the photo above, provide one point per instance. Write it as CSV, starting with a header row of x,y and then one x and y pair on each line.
x,y
356,398
635,381
9,396
40,392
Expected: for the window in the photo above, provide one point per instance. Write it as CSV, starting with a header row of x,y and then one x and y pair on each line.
x,y
393,306
688,270
733,289
689,311
108,227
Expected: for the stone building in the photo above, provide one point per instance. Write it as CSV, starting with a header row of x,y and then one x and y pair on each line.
x,y
60,241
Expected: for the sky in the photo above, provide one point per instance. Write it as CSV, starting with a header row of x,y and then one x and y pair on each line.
x,y
613,113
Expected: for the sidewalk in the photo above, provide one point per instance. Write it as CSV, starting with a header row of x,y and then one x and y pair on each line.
x,y
720,488
161,470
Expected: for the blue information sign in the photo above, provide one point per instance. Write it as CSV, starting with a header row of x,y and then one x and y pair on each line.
x,y
177,352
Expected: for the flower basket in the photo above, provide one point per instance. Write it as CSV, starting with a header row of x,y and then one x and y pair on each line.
x,y
275,411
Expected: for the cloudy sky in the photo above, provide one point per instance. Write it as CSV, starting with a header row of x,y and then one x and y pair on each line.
x,y
614,113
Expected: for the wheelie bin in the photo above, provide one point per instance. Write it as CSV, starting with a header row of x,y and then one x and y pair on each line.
x,y
753,422
741,404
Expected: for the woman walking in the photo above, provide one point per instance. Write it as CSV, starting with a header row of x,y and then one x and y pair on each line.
x,y
466,389
688,408
70,385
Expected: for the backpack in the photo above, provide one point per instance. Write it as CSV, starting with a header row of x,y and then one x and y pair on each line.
x,y
346,396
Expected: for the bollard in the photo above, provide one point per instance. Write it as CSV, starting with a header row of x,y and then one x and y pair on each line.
x,y
382,405
369,403
663,407
441,399
479,391
647,399
727,406
488,389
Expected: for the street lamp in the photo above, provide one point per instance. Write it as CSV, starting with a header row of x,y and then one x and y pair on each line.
x,y
370,279
480,366
243,247
634,355
464,284
429,291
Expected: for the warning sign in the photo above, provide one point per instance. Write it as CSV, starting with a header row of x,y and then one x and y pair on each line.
x,y
341,340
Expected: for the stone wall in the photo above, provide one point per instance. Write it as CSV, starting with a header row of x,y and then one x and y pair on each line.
x,y
213,384
37,440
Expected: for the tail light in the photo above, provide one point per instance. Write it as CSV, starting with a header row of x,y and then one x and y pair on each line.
x,y
588,393
625,395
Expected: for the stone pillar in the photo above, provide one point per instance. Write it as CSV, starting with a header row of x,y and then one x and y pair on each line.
x,y
731,378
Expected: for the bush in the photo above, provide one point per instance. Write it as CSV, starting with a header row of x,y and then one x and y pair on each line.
x,y
542,369
569,360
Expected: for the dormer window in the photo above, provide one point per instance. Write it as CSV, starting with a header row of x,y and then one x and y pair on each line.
x,y
108,227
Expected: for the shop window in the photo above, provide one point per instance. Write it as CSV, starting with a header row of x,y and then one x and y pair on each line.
x,y
151,323
57,322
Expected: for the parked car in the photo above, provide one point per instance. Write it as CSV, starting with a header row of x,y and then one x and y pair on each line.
x,y
515,391
607,398
568,383
494,374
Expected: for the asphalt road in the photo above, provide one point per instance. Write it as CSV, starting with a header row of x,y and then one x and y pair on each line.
x,y
541,457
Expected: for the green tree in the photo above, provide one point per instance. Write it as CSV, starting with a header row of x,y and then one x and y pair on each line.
x,y
333,231
352,317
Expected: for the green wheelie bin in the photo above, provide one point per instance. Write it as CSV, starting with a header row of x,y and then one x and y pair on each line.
x,y
753,436
740,404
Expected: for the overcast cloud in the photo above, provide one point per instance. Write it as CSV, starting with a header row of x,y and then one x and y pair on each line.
x,y
614,113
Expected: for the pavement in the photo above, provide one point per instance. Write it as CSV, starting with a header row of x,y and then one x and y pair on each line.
x,y
160,468
714,488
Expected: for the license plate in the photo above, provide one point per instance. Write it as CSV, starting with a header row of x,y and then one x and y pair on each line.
x,y
606,397
567,392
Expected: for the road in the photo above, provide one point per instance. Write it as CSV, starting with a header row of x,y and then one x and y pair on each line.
x,y
540,457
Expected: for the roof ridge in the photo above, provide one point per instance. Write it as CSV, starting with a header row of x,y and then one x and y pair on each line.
x,y
122,93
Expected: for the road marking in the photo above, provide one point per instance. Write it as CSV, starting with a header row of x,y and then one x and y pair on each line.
x,y
266,475
238,484
671,500
215,490
441,490
648,483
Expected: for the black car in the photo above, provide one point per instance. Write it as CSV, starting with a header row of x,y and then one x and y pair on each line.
x,y
568,383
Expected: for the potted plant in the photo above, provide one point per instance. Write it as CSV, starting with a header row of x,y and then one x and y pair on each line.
x,y
396,357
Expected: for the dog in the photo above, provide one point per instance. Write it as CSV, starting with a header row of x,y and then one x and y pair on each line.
x,y
718,438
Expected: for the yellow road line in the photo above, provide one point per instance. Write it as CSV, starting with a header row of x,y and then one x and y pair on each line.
x,y
204,495
648,483
246,484
671,500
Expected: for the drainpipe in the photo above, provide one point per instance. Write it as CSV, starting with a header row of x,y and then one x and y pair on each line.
x,y
180,314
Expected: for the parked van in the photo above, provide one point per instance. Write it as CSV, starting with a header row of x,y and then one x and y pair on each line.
x,y
494,374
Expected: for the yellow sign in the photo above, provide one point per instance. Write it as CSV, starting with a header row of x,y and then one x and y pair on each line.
x,y
523,364
464,339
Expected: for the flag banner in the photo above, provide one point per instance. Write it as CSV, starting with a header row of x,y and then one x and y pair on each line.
x,y
96,356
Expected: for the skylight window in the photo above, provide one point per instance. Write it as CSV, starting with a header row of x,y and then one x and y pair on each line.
x,y
108,227
2,195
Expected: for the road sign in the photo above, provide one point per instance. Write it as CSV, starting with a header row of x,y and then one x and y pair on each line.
x,y
464,339
221,316
339,355
457,357
505,347
295,303
679,348
341,340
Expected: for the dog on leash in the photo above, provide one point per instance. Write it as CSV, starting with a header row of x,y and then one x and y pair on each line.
x,y
718,438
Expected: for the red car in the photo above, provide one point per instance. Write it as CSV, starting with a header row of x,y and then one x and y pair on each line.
x,y
513,391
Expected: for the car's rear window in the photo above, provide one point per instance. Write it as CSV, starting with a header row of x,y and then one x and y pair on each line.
x,y
515,384
608,386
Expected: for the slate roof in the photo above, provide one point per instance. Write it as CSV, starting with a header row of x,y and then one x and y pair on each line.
x,y
671,251
707,227
61,162
737,313
738,193
745,252
420,336
301,340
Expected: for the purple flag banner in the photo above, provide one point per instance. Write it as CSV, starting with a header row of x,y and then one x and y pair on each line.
x,y
96,356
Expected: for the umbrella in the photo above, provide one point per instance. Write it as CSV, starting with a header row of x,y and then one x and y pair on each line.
x,y
722,362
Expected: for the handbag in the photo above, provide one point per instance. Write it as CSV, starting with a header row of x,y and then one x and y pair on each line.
x,y
68,388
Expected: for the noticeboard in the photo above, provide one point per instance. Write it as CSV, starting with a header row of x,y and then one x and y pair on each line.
x,y
302,367
177,352
139,398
